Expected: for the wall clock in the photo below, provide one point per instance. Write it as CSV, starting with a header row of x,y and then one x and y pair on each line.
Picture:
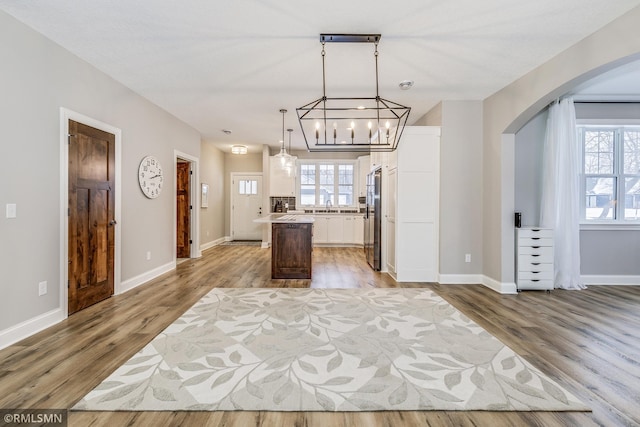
x,y
150,177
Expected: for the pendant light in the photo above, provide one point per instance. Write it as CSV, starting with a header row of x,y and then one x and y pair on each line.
x,y
290,165
283,155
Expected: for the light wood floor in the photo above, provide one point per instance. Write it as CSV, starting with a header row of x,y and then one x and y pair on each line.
x,y
588,341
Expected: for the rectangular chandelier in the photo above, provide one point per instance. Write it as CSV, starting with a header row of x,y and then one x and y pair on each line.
x,y
352,124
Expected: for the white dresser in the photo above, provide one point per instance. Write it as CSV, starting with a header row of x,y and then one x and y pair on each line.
x,y
534,258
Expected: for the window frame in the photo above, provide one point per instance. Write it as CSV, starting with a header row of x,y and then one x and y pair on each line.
x,y
336,181
619,176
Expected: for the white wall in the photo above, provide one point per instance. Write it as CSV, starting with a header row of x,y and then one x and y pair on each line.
x,y
460,188
37,78
212,173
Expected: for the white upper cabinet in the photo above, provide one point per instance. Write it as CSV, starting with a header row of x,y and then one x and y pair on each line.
x,y
281,184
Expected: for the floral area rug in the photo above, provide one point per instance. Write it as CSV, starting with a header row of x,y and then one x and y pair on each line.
x,y
326,350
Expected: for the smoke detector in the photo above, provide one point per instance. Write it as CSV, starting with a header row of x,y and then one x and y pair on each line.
x,y
406,84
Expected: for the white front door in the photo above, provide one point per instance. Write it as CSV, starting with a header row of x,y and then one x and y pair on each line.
x,y
246,206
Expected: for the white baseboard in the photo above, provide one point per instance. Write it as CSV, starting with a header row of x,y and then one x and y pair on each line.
x,y
472,279
611,280
134,282
213,243
29,327
506,288
265,245
460,279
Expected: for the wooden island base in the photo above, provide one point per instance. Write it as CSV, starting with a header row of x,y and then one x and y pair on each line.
x,y
291,246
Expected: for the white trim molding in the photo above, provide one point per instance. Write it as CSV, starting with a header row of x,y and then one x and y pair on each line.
x,y
611,280
460,279
30,327
507,288
143,278
211,244
65,116
194,200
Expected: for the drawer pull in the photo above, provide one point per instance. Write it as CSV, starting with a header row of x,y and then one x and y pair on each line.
x,y
535,247
535,280
535,272
535,238
535,254
535,263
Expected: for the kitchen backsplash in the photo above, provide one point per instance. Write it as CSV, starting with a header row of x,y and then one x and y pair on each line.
x,y
283,204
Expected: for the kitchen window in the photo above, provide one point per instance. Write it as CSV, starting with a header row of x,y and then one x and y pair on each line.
x,y
610,174
323,183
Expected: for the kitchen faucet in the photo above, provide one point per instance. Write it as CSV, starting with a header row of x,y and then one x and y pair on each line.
x,y
328,204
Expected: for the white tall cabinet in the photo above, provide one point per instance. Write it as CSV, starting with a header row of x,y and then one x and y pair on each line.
x,y
412,206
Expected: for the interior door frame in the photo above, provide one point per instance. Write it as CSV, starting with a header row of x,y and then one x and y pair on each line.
x,y
194,200
232,190
65,116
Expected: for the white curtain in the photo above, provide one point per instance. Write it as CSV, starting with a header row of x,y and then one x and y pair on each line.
x,y
560,207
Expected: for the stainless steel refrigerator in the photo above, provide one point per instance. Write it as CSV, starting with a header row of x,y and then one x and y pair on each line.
x,y
372,220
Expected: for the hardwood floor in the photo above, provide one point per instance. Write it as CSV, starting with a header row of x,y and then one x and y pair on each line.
x,y
588,341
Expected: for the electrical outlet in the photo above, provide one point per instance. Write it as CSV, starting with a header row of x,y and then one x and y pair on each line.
x,y
42,288
467,257
11,210
148,255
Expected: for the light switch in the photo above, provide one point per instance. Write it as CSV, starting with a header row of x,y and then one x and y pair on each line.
x,y
11,210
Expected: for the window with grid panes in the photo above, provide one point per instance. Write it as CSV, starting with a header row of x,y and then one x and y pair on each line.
x,y
324,181
610,173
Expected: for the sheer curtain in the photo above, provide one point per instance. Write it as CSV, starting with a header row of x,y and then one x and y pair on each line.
x,y
560,207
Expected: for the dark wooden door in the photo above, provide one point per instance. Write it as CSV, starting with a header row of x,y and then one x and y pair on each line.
x,y
183,239
91,215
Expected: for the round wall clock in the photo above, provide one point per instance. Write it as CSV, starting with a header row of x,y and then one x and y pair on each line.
x,y
150,177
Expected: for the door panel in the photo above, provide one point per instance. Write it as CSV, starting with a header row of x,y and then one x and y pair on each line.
x,y
247,206
91,212
183,214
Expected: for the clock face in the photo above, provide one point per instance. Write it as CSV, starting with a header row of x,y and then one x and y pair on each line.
x,y
150,177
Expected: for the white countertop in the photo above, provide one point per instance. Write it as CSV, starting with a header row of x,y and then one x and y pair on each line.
x,y
271,218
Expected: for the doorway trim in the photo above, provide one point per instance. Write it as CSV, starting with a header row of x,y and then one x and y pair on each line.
x,y
65,116
194,199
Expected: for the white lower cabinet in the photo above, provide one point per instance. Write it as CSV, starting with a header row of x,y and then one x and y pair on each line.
x,y
534,258
358,235
338,229
335,229
320,229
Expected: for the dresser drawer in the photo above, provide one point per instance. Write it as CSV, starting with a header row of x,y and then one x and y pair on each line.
x,y
535,250
535,275
535,232
535,266
542,258
535,284
535,241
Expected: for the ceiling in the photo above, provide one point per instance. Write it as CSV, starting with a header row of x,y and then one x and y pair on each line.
x,y
234,64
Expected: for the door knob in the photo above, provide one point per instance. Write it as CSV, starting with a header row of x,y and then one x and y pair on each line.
x,y
112,222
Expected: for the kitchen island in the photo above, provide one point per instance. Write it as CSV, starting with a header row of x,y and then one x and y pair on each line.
x,y
291,245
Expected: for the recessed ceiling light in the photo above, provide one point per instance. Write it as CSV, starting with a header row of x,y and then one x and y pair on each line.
x,y
406,84
227,131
